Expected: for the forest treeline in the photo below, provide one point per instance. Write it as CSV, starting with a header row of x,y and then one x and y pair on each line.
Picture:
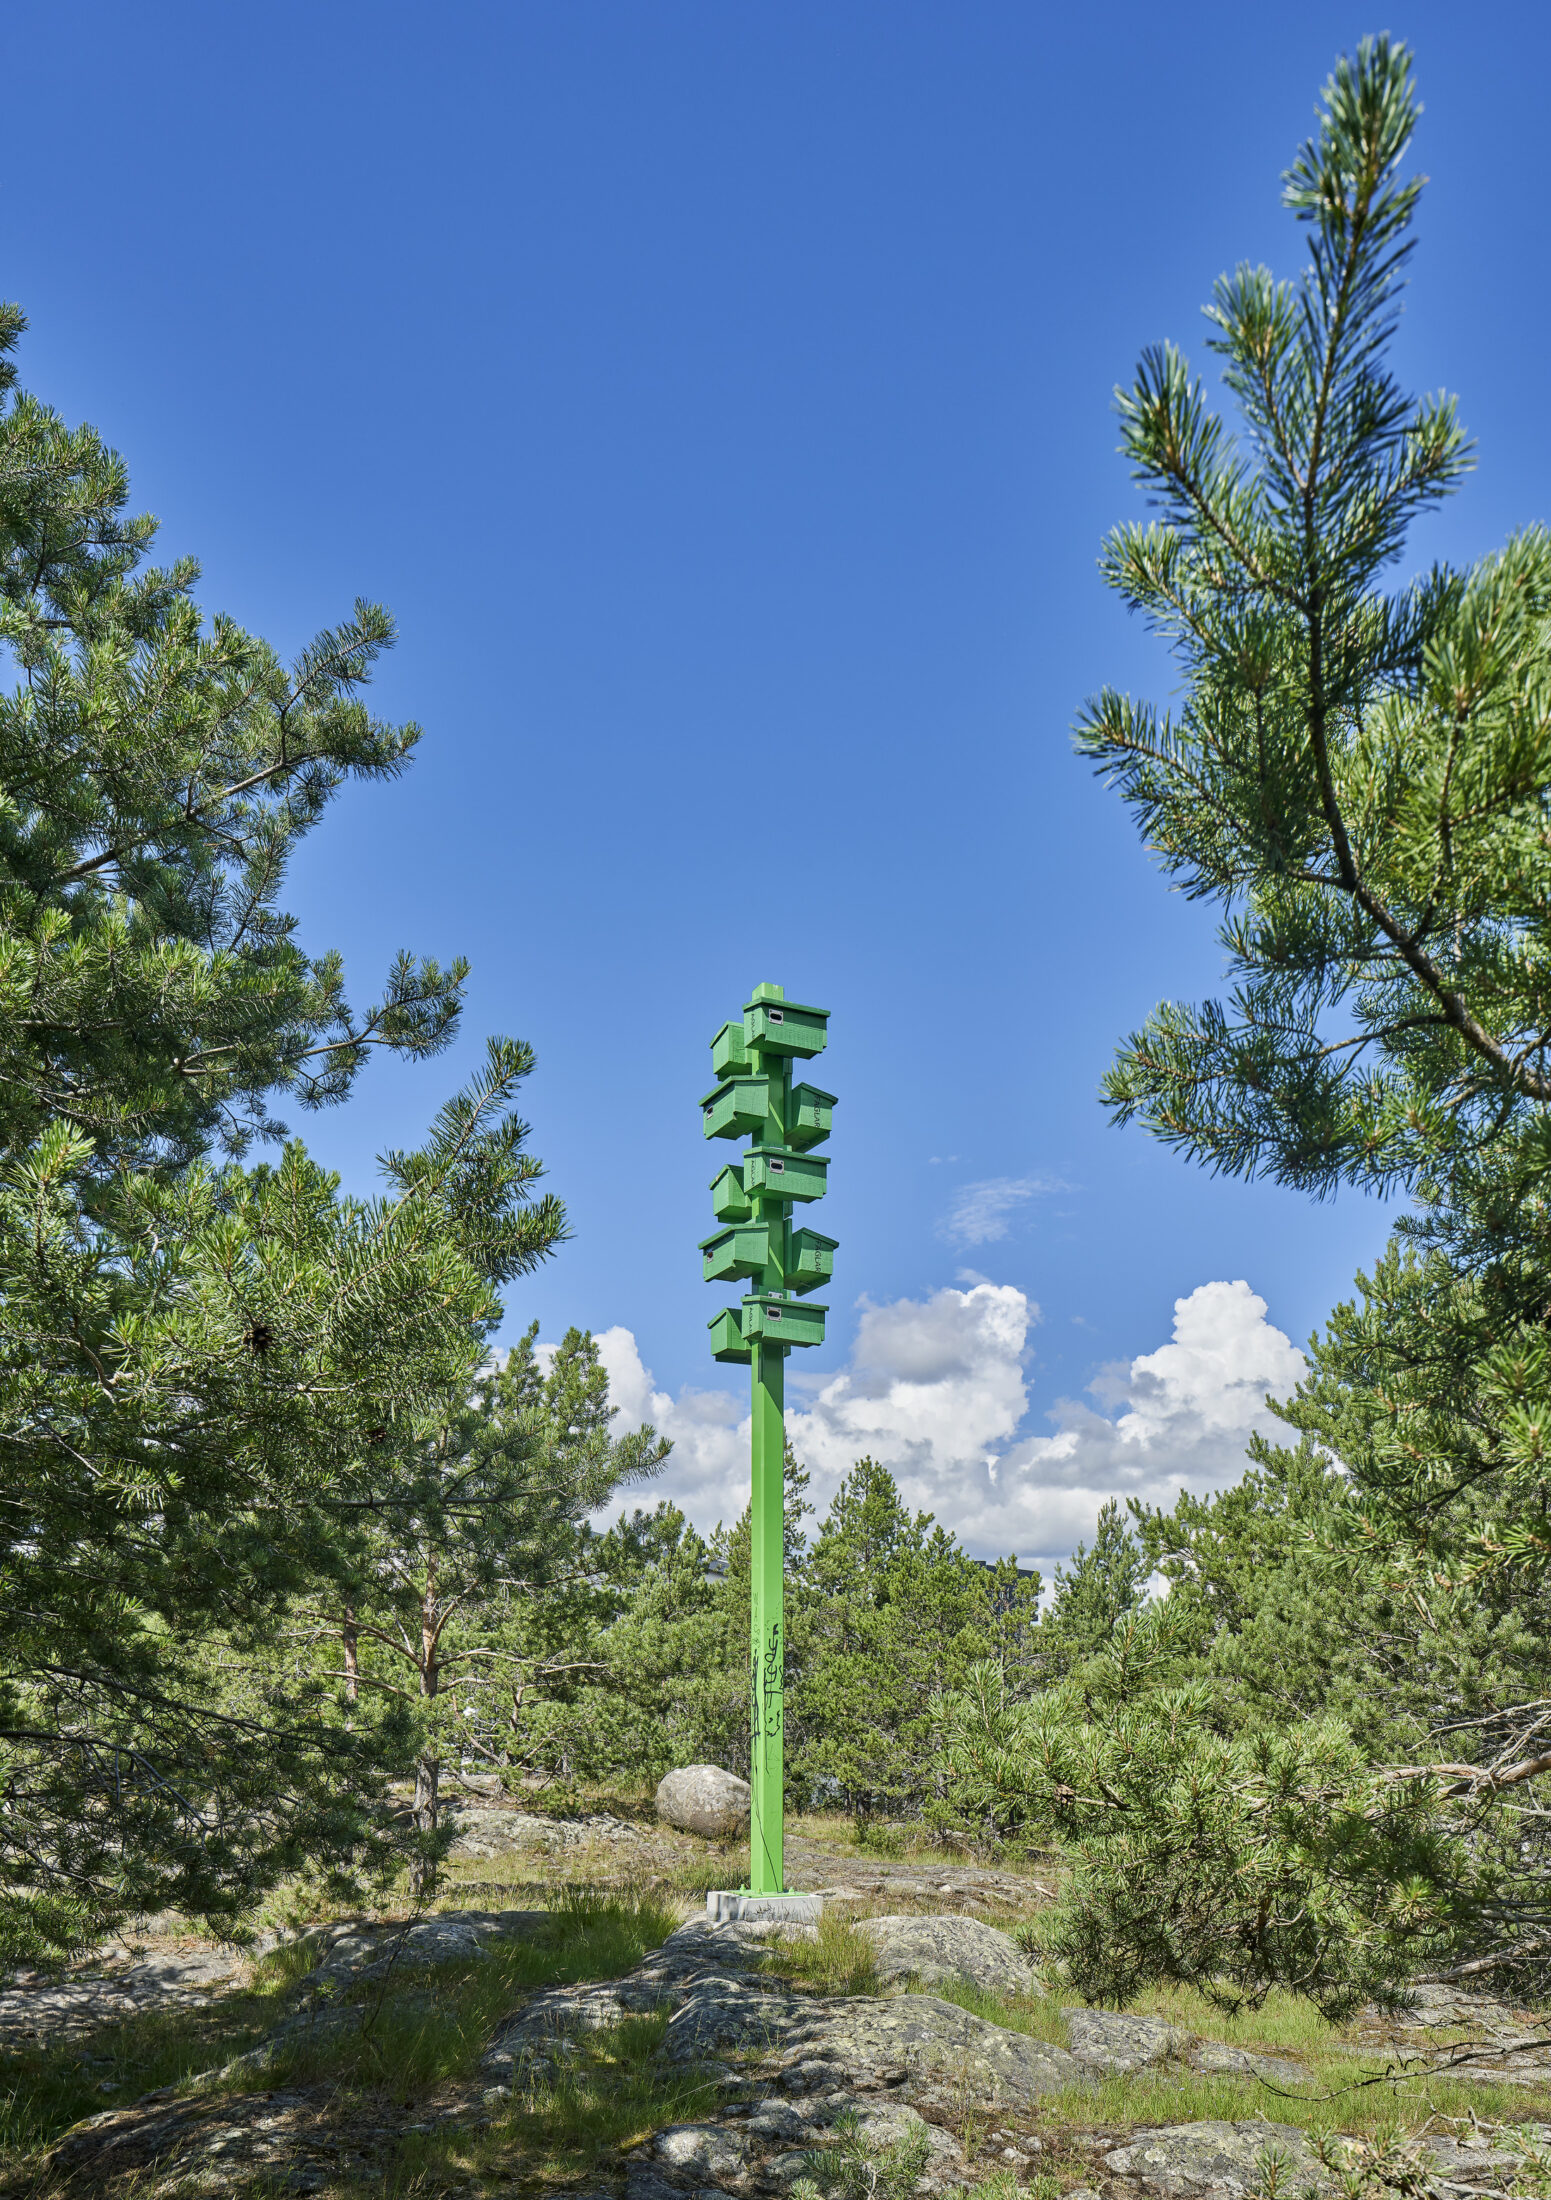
x,y
283,1538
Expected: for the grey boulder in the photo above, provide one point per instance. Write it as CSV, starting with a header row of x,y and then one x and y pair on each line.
x,y
706,1800
1182,2160
1114,2040
708,2150
944,1951
484,1832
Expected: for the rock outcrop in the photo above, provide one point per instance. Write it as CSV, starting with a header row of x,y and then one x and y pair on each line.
x,y
1182,2160
706,1800
723,2004
780,2075
483,1831
949,1950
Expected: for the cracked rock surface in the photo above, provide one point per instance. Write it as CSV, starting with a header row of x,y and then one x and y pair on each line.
x,y
962,1885
355,1951
785,2073
484,1830
1181,2160
1113,2042
47,2008
283,2135
722,2004
1506,2045
940,1950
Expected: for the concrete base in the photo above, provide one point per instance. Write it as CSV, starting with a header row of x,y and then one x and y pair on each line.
x,y
763,1909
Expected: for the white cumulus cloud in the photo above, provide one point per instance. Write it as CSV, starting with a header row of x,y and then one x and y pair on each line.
x,y
934,1388
1187,1412
937,1389
708,1470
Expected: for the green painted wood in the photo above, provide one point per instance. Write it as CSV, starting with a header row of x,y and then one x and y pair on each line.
x,y
767,1627
810,1117
741,1251
784,1173
785,1322
729,1202
738,1109
755,1097
727,1336
785,1027
729,1053
810,1259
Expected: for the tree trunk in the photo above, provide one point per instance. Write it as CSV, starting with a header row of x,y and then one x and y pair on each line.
x,y
422,1877
427,1779
352,1665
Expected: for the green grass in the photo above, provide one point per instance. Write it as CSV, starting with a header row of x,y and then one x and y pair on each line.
x,y
429,2023
421,2026
1330,2095
527,1879
886,1840
1332,2057
610,2096
848,2168
44,2089
568,2122
839,1961
1327,2102
1040,2019
842,1960
1285,2024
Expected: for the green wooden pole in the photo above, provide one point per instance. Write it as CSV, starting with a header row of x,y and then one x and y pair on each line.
x,y
756,1098
767,1624
767,1524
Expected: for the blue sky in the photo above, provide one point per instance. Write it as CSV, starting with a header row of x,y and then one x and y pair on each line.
x,y
720,397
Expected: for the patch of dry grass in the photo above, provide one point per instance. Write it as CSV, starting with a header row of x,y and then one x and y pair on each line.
x,y
398,2037
610,2096
1333,2099
838,1960
1032,2014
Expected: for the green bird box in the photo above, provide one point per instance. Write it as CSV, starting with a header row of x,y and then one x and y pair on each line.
x,y
810,1115
729,1201
740,1251
729,1053
780,1172
782,1321
727,1336
811,1260
740,1109
783,1027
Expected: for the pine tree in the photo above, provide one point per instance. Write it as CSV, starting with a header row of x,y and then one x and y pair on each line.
x,y
1358,778
1097,1590
892,1613
205,1368
475,1598
671,1691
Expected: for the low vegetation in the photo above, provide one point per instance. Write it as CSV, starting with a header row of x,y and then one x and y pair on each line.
x,y
849,2169
400,2037
1340,2098
286,1548
838,1960
611,2095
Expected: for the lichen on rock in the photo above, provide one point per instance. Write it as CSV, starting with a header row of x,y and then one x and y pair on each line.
x,y
706,1800
943,1950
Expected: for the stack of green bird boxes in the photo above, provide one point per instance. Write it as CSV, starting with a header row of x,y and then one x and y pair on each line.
x,y
757,1099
